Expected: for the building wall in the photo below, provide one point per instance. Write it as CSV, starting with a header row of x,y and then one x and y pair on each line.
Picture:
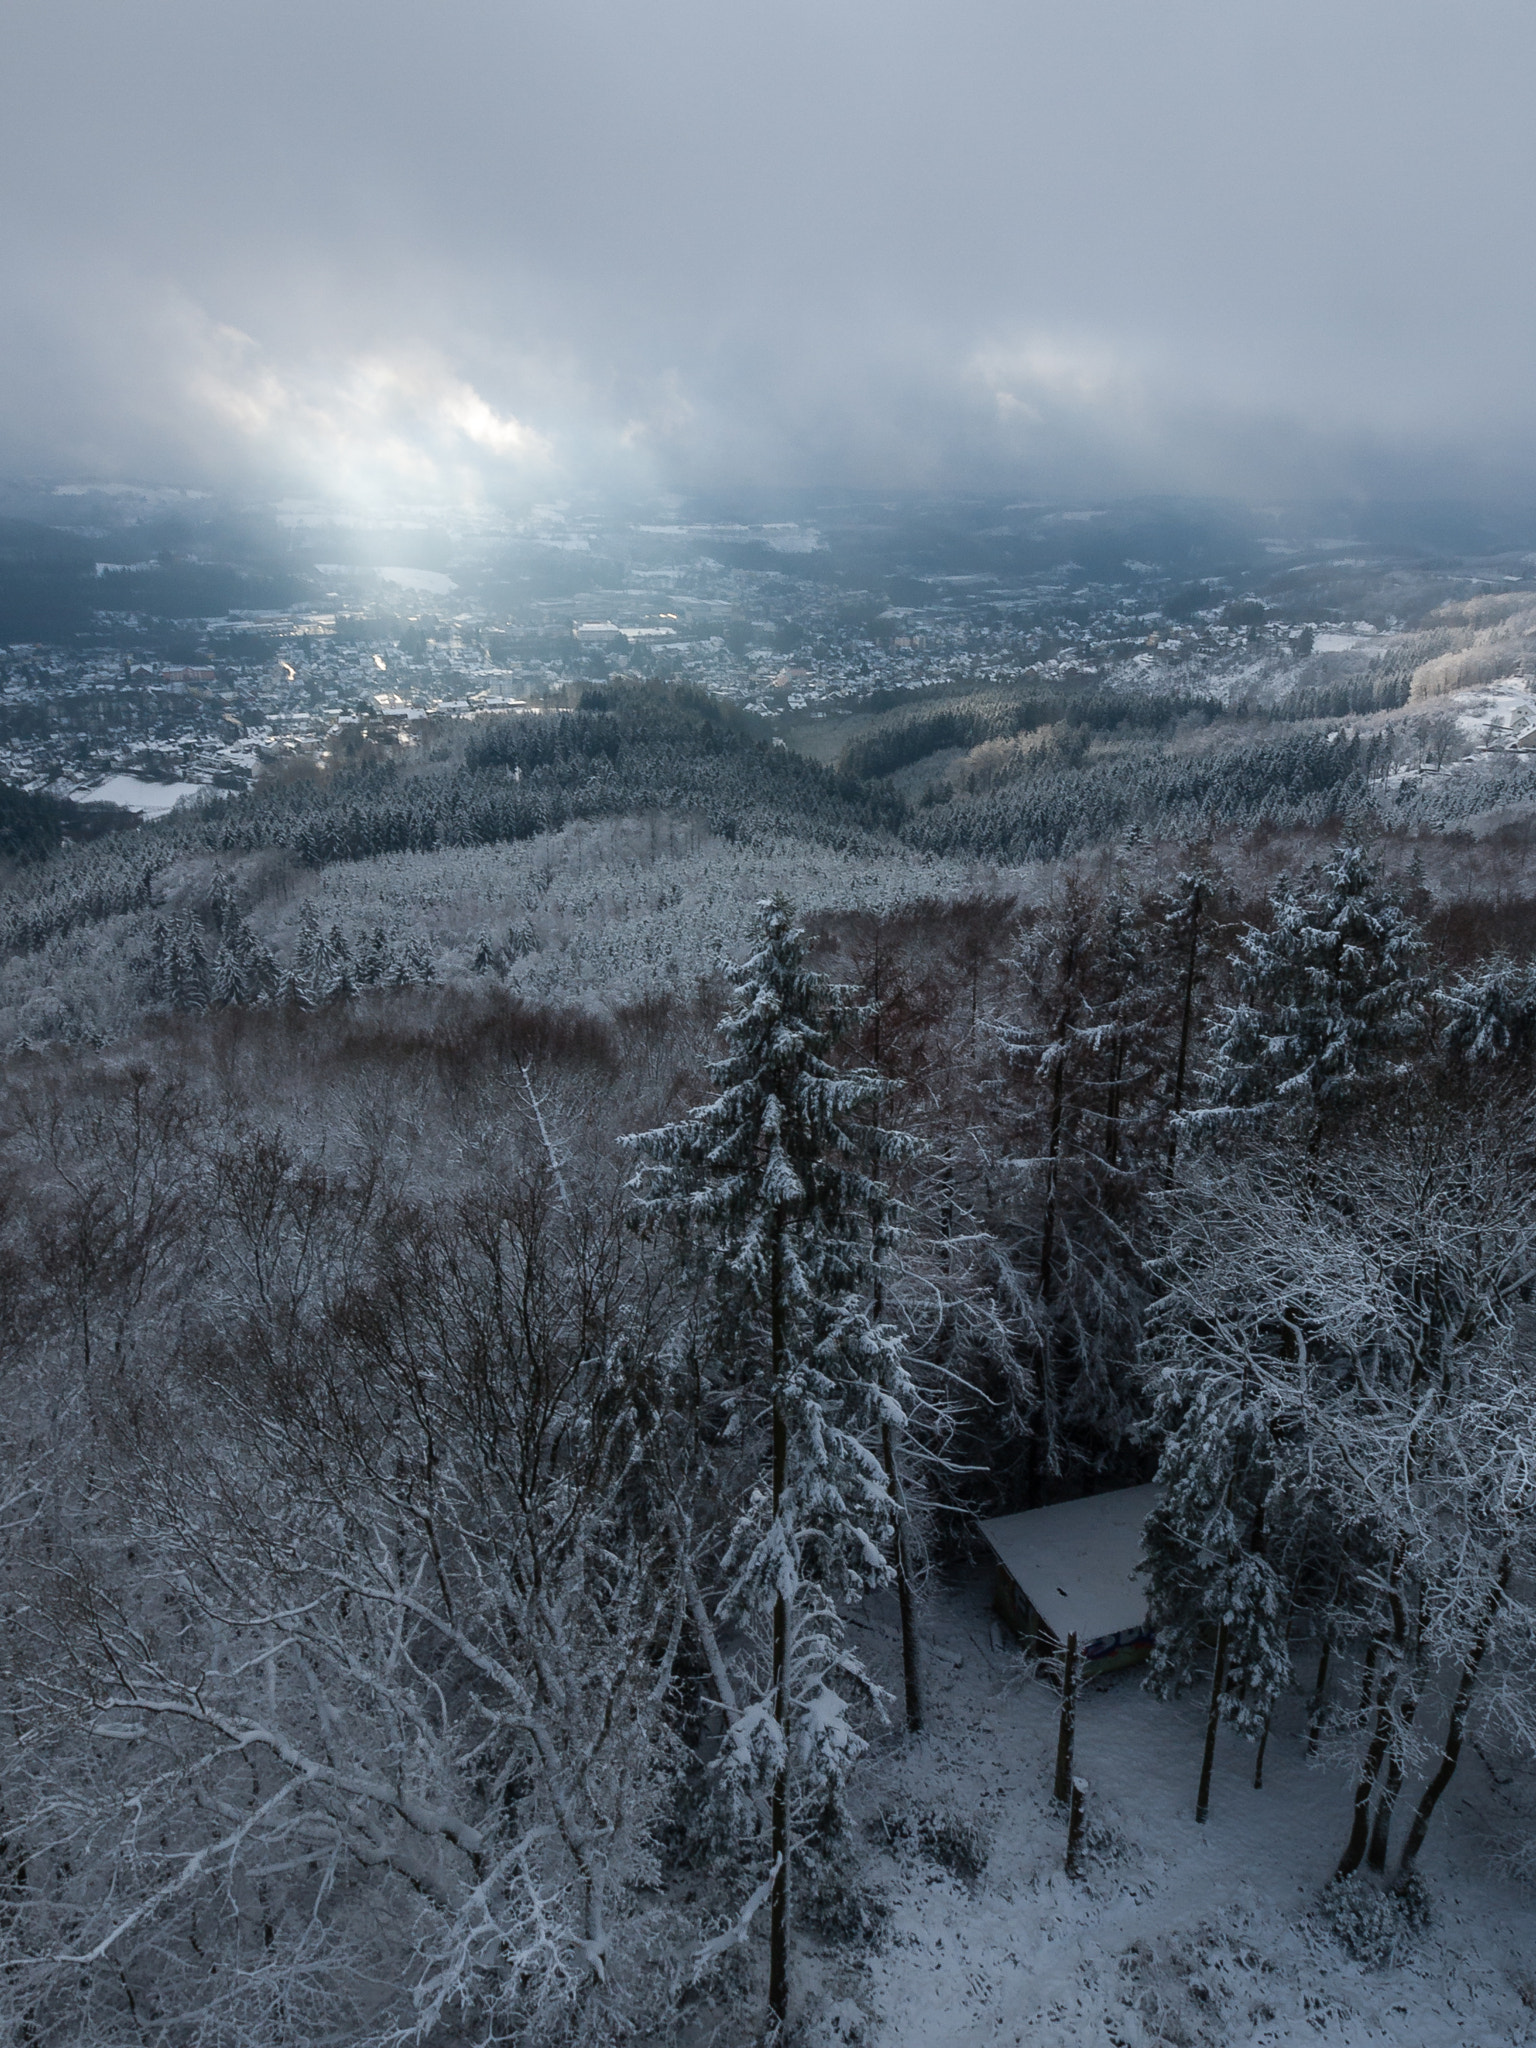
x,y
1130,1646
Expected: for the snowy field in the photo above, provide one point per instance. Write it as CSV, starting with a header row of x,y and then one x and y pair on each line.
x,y
149,799
1180,1936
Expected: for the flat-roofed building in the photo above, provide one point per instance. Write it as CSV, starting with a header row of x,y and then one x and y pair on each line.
x,y
1071,1570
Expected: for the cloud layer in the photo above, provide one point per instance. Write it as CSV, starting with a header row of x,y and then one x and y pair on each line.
x,y
488,248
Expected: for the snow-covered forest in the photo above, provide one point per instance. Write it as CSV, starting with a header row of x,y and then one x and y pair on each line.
x,y
520,1277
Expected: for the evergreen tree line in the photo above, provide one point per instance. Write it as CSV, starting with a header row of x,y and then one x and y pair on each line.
x,y
1381,688
676,752
522,777
82,886
1301,780
191,968
900,739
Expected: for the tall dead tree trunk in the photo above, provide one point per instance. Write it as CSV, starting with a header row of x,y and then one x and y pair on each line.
x,y
1066,1730
1112,1107
1053,1163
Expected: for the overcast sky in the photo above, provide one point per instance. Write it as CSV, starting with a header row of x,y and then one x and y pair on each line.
x,y
418,252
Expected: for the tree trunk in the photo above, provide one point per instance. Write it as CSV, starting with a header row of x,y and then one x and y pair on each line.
x,y
1212,1721
1359,1834
1076,1826
778,1929
1066,1731
1360,1826
711,1644
911,1668
1043,1452
1381,1823
1258,1762
1052,1158
1186,1027
1112,1109
1319,1697
1456,1728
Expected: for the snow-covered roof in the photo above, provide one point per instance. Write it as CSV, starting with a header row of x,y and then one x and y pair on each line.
x,y
1074,1562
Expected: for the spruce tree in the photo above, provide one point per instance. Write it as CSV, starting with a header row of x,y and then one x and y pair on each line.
x,y
160,962
224,906
225,984
1328,1000
187,968
774,1186
1085,1049
374,962
1491,1013
311,965
1180,925
339,954
258,970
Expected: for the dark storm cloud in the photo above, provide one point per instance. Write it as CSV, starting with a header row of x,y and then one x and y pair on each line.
x,y
423,250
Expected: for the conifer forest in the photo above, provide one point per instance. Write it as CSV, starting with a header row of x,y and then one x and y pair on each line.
x,y
522,1273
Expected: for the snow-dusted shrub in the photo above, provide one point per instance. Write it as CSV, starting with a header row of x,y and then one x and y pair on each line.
x,y
957,1842
1371,1924
1414,1900
843,2024
831,1893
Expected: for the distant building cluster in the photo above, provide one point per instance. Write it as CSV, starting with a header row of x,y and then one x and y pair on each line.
x,y
749,614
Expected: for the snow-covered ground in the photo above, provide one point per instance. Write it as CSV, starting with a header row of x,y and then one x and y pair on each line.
x,y
429,581
1179,1934
149,799
1503,709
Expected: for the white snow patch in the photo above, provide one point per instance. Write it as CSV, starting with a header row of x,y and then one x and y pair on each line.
x,y
149,799
430,581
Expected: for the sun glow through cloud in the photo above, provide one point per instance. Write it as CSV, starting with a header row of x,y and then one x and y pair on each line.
x,y
368,428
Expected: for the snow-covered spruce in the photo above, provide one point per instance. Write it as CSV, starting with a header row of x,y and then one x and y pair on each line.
x,y
1329,1000
773,1186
